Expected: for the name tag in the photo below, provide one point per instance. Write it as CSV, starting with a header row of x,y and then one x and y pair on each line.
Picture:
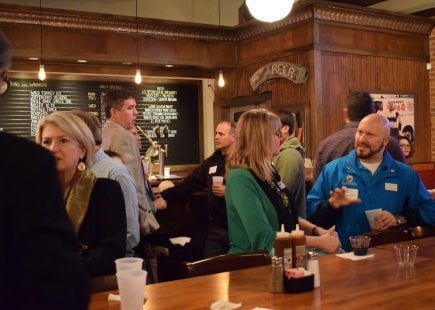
x,y
391,187
352,193
212,170
281,185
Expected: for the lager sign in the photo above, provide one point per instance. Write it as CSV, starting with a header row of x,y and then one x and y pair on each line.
x,y
296,73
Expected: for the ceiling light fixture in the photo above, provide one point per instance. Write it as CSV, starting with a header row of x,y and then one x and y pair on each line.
x,y
221,81
271,10
138,76
41,74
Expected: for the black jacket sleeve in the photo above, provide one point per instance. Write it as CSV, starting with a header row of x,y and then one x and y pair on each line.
x,y
194,182
39,263
325,216
103,230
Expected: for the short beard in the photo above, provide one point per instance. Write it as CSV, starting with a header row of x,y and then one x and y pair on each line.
x,y
370,154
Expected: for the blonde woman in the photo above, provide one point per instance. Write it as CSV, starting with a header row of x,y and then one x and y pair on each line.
x,y
94,206
257,201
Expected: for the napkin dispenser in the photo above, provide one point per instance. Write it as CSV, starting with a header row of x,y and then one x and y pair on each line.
x,y
299,283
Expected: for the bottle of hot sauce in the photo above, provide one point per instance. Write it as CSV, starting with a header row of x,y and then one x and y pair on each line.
x,y
283,247
299,248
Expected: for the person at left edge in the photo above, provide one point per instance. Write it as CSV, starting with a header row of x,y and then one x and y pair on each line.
x,y
94,205
39,265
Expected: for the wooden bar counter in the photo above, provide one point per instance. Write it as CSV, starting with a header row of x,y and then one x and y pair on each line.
x,y
376,283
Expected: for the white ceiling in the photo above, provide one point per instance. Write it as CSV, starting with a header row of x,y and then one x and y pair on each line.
x,y
196,11
405,6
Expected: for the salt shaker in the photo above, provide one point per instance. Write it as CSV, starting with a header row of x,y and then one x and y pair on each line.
x,y
277,275
313,266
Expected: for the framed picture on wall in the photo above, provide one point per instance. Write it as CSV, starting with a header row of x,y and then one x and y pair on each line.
x,y
399,110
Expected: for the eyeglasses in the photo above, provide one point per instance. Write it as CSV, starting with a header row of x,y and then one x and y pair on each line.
x,y
405,146
278,134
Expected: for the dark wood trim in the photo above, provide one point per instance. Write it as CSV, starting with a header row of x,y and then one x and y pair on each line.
x,y
244,100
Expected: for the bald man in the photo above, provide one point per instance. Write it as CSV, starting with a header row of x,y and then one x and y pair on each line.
x,y
365,179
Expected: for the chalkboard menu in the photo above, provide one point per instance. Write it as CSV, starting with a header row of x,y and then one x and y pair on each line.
x,y
174,105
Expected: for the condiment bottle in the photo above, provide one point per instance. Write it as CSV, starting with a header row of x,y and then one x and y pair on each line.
x,y
299,247
283,247
277,275
313,266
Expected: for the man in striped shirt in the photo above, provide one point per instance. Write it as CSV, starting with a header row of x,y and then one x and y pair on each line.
x,y
358,105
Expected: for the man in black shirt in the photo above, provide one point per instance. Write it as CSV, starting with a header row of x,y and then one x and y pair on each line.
x,y
201,179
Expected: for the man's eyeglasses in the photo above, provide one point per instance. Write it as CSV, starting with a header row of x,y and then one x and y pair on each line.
x,y
405,146
278,134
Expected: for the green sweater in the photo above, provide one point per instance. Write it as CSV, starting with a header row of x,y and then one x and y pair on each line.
x,y
290,165
252,219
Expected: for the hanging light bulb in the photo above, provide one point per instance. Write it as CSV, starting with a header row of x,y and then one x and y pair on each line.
x,y
138,77
271,10
221,81
41,74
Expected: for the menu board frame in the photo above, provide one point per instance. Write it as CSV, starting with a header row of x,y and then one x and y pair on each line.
x,y
176,104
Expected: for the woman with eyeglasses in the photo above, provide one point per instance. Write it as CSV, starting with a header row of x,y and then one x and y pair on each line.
x,y
407,146
258,203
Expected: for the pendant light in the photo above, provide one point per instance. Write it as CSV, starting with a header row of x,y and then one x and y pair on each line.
x,y
41,74
269,10
221,81
138,76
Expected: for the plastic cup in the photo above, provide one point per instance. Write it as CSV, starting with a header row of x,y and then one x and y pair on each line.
x,y
131,285
166,171
371,214
128,263
218,180
360,244
406,254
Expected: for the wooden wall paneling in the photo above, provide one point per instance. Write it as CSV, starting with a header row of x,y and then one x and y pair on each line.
x,y
315,101
115,48
345,72
432,92
272,45
371,41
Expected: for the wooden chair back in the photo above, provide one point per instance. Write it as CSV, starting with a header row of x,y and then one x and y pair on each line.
x,y
226,262
422,231
390,235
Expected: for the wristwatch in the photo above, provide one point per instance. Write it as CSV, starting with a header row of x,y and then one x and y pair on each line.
x,y
401,220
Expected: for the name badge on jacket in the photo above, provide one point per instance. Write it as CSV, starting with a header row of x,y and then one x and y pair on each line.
x,y
212,170
391,187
